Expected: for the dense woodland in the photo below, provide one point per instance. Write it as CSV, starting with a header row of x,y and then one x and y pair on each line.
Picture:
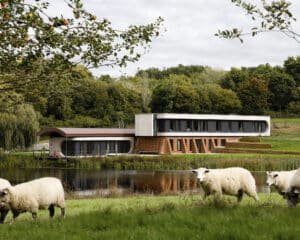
x,y
80,99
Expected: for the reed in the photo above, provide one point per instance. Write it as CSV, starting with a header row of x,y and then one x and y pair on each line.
x,y
253,162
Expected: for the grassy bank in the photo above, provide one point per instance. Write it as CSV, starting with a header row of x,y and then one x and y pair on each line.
x,y
174,217
285,134
253,162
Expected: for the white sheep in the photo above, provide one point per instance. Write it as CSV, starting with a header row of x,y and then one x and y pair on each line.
x,y
33,195
231,181
3,210
292,194
280,180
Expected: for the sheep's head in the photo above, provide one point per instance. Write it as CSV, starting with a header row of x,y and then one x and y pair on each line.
x,y
272,178
292,197
4,197
201,173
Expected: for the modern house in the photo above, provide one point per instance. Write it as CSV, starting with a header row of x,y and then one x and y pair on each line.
x,y
162,133
85,142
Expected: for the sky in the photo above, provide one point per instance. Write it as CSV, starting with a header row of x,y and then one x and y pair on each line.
x,y
189,37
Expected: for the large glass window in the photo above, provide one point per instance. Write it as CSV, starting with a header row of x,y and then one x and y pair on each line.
x,y
211,126
225,126
234,126
94,148
248,126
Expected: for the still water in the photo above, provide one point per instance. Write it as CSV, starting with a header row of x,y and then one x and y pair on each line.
x,y
82,182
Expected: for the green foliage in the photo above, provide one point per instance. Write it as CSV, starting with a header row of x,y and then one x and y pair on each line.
x,y
222,100
282,89
233,78
253,94
292,67
155,73
186,100
163,98
269,17
18,128
294,107
28,34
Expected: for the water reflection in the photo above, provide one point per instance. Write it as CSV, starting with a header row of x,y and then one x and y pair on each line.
x,y
104,183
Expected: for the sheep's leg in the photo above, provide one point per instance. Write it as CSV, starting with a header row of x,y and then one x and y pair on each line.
x,y
63,212
15,215
51,210
240,195
217,194
4,212
34,215
203,194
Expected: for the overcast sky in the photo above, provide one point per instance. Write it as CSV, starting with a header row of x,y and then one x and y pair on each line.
x,y
189,37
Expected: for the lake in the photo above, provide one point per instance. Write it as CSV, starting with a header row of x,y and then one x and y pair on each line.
x,y
84,182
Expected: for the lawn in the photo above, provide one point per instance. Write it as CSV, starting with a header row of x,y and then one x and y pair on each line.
x,y
163,217
285,134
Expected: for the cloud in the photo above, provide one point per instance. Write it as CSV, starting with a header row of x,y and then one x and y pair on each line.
x,y
190,32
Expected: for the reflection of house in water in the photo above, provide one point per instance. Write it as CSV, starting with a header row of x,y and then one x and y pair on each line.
x,y
166,182
130,181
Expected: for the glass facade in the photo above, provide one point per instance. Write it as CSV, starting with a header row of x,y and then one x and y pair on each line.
x,y
224,126
94,148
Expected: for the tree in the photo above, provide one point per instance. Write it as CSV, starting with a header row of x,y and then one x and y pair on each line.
x,y
163,98
253,94
187,71
29,34
292,67
186,100
234,77
18,128
209,75
222,100
269,17
282,88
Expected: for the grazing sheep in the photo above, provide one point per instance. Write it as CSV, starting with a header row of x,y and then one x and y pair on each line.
x,y
30,196
3,210
280,180
231,181
292,194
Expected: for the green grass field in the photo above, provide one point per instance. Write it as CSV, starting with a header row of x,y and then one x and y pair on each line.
x,y
285,134
163,217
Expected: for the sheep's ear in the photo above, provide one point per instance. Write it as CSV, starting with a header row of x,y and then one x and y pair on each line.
x,y
194,171
206,171
267,172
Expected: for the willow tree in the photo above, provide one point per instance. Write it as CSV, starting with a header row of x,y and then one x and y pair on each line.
x,y
30,37
18,128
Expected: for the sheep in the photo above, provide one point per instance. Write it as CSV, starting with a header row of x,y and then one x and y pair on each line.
x,y
3,210
292,194
33,195
231,181
280,179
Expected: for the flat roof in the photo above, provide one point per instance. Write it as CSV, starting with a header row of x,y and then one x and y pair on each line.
x,y
87,132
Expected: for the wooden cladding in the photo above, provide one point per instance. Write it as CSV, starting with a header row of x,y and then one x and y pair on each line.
x,y
174,145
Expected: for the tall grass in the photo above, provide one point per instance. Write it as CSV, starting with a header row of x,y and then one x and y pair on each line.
x,y
163,218
253,162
